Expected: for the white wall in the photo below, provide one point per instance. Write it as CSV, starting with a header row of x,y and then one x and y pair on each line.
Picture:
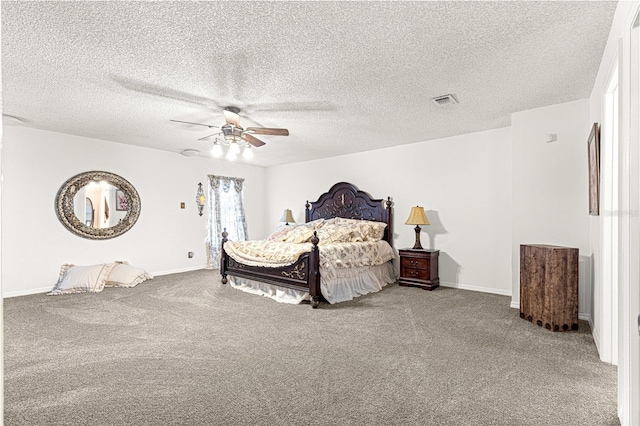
x,y
463,182
36,163
550,186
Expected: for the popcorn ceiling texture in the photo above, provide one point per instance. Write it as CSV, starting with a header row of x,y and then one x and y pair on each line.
x,y
343,77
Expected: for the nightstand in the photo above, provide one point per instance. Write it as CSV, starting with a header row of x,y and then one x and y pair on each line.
x,y
419,268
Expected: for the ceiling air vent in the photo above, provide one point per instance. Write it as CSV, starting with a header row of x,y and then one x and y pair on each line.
x,y
444,100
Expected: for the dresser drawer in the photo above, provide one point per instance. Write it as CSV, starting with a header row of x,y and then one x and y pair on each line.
x,y
414,262
415,274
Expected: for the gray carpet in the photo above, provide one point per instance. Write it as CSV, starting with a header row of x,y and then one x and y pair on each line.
x,y
184,350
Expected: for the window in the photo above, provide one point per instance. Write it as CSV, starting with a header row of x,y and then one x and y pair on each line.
x,y
226,211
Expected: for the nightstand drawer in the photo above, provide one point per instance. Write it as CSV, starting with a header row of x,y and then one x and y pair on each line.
x,y
416,274
414,262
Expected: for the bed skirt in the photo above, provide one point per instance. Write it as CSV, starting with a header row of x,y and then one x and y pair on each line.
x,y
337,287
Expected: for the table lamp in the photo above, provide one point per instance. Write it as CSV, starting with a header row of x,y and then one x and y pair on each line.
x,y
287,217
417,217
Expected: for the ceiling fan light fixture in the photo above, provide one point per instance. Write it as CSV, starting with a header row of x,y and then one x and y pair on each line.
x,y
247,152
233,151
233,138
231,133
216,151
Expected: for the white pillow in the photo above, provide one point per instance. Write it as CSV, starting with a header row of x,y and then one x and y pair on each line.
x,y
335,233
281,233
82,279
316,224
369,230
125,275
300,234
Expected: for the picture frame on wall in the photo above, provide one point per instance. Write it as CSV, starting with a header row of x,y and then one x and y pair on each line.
x,y
121,201
593,147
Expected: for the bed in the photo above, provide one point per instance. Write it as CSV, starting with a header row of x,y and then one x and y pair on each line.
x,y
344,202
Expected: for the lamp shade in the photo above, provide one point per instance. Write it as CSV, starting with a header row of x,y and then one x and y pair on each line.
x,y
287,216
417,216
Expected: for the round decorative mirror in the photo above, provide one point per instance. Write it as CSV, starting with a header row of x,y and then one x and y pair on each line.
x,y
97,205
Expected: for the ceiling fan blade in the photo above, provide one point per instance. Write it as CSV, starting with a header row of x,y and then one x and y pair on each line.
x,y
268,131
231,118
291,106
164,92
252,139
255,123
197,124
206,137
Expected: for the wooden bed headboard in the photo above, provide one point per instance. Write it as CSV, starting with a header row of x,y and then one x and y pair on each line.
x,y
347,201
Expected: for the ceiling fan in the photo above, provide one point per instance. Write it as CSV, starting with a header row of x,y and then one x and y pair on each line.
x,y
232,132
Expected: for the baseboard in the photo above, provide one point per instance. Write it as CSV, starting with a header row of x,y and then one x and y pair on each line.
x,y
596,340
27,292
177,271
474,288
515,305
585,317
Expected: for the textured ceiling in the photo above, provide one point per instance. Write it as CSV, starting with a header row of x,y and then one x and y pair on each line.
x,y
341,76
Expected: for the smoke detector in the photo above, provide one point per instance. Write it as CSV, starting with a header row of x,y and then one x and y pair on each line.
x,y
444,100
190,152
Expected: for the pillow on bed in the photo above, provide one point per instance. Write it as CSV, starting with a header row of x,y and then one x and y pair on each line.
x,y
369,230
125,275
281,233
344,221
318,223
372,231
334,233
82,279
301,233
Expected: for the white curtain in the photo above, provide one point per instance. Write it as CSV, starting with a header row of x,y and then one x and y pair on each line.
x,y
226,210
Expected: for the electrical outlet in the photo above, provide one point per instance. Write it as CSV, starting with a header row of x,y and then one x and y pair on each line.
x,y
182,205
190,255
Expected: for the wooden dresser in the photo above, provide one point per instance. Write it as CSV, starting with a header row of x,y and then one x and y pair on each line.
x,y
419,268
549,286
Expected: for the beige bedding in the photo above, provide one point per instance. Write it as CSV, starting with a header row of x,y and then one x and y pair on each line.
x,y
353,258
333,256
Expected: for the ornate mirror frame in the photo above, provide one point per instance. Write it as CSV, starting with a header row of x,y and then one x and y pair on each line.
x,y
66,214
